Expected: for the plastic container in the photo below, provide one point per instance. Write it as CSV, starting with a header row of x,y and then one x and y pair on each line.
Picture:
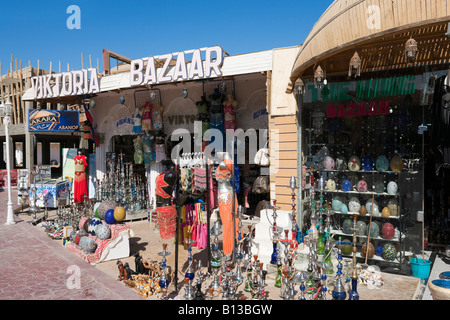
x,y
420,268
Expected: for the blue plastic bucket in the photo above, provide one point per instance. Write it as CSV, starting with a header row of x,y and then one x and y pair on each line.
x,y
420,268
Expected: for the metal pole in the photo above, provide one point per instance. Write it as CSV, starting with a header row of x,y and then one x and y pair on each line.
x,y
299,97
10,212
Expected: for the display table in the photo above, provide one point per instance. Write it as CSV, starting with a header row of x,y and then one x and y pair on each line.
x,y
116,247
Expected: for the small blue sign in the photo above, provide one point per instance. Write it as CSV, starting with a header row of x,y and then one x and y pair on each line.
x,y
53,120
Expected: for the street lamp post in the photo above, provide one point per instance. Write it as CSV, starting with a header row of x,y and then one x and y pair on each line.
x,y
5,113
299,89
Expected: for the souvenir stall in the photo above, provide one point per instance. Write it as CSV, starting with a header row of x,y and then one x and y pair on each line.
x,y
366,102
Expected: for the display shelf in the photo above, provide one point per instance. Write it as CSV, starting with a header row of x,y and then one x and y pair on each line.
x,y
350,213
340,233
385,194
381,259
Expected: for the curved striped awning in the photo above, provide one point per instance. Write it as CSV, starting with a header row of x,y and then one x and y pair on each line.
x,y
378,30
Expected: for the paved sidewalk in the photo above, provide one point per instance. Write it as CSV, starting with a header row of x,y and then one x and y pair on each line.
x,y
35,267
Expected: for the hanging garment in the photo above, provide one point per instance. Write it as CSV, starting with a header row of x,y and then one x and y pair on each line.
x,y
167,221
138,150
160,153
202,228
152,173
137,123
199,180
230,116
149,155
80,182
157,117
147,116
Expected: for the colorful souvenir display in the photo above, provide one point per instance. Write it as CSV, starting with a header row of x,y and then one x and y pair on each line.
x,y
389,252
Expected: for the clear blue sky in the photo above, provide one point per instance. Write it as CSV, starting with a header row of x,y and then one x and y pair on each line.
x,y
32,30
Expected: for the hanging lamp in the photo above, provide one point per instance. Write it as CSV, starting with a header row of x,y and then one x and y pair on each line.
x,y
318,76
411,49
355,64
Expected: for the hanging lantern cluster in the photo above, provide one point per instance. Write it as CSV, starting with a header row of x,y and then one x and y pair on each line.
x,y
355,64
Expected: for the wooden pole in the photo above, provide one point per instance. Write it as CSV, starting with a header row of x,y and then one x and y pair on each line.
x,y
82,61
22,103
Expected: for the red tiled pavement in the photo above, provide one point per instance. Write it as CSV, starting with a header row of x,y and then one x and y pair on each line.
x,y
35,267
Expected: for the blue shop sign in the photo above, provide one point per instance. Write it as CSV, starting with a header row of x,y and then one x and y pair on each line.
x,y
53,120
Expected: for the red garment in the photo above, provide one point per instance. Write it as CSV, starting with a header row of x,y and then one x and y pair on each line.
x,y
80,181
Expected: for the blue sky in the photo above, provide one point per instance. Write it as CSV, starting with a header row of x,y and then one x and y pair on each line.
x,y
32,30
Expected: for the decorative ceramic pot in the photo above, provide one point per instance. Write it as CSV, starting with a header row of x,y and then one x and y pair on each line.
x,y
392,188
103,231
354,164
382,163
93,224
388,231
347,226
389,252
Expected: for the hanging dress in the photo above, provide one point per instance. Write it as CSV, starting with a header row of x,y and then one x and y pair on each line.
x,y
80,183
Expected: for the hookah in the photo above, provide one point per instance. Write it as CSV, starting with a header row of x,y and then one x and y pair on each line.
x,y
293,215
216,259
353,295
189,276
285,270
339,290
249,283
259,293
239,255
276,233
301,278
163,280
200,277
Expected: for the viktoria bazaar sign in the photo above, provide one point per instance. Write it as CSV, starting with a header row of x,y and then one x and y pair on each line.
x,y
144,71
65,84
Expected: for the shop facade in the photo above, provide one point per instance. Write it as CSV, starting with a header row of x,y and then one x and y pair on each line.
x,y
368,102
